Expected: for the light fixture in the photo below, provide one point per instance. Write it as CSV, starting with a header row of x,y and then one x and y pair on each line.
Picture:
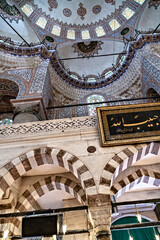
x,y
54,237
156,235
6,230
139,217
64,228
5,234
130,237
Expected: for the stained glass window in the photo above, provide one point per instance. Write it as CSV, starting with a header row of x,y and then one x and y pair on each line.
x,y
85,34
140,1
41,22
27,9
128,13
92,99
91,80
74,76
56,30
6,121
71,34
122,60
108,74
114,24
100,31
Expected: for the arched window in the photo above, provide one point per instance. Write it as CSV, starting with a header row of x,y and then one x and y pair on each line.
x,y
92,99
6,121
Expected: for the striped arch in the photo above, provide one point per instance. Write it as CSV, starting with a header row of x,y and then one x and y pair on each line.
x,y
139,175
7,200
126,158
153,148
13,225
29,197
115,162
41,156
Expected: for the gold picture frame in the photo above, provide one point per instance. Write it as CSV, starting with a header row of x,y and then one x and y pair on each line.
x,y
128,124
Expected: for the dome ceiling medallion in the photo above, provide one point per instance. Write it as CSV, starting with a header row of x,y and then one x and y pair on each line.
x,y
52,4
110,1
81,11
87,49
96,9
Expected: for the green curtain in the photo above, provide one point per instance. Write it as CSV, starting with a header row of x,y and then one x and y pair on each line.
x,y
137,234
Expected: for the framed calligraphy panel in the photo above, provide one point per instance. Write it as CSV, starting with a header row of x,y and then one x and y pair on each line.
x,y
128,124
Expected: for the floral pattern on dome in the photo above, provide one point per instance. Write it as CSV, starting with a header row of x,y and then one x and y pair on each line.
x,y
87,49
67,12
81,11
110,1
154,3
82,24
96,9
52,4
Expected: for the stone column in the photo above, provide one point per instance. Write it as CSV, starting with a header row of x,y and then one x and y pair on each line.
x,y
100,215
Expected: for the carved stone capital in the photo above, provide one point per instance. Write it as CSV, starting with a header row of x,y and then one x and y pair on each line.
x,y
28,110
98,200
103,235
100,215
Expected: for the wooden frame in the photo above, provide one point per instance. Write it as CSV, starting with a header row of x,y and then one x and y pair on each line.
x,y
128,124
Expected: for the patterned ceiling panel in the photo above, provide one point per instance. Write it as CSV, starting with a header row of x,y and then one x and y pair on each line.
x,y
81,19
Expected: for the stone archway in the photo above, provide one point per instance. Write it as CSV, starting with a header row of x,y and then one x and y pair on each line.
x,y
38,189
136,177
111,167
123,160
16,168
11,172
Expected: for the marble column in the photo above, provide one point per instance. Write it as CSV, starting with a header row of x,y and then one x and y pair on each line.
x,y
100,215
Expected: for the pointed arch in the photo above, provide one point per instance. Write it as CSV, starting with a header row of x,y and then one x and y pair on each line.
x,y
123,160
16,168
153,148
111,167
139,175
38,189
